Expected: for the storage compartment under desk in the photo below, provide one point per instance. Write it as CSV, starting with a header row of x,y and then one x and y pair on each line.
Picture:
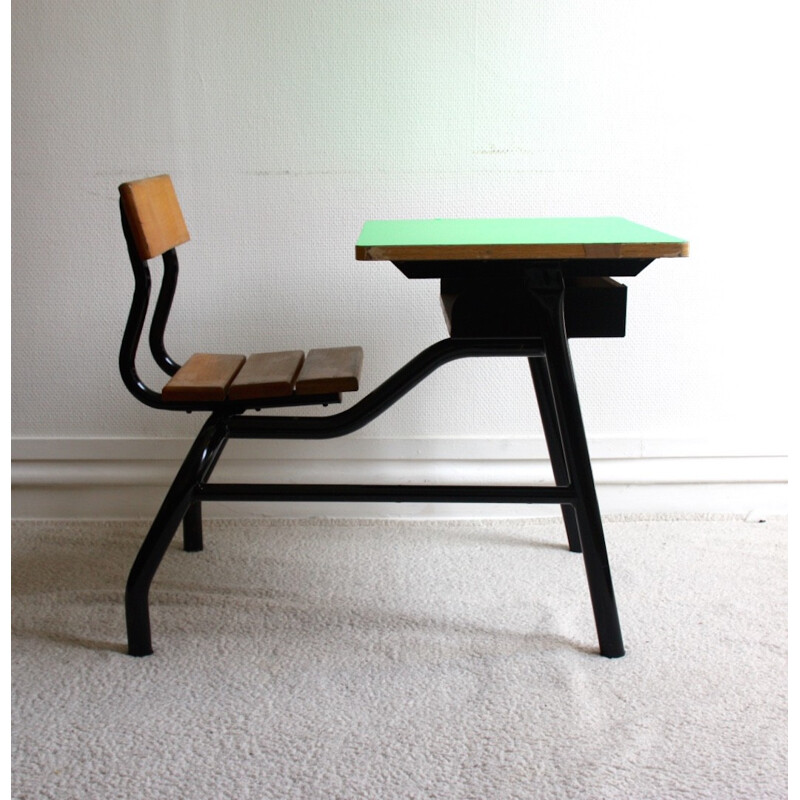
x,y
478,307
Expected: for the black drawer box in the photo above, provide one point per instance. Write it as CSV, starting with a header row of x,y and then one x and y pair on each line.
x,y
593,307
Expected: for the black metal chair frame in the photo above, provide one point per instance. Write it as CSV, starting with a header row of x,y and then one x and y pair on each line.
x,y
557,397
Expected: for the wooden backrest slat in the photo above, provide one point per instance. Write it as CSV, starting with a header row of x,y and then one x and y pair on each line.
x,y
154,215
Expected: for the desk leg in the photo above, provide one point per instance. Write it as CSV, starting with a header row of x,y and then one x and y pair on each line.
x,y
555,444
548,290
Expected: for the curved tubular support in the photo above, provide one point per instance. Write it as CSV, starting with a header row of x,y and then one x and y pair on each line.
x,y
161,313
196,467
385,395
135,324
190,487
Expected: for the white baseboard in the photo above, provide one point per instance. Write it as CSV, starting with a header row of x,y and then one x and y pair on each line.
x,y
127,478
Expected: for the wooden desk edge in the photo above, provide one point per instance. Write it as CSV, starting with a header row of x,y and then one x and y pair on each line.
x,y
502,252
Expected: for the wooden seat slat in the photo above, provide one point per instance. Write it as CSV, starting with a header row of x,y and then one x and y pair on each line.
x,y
205,376
332,369
267,375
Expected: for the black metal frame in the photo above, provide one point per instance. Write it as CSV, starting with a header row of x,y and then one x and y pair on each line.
x,y
554,383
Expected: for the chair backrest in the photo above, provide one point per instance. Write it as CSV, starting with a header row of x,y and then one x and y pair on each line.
x,y
153,225
154,215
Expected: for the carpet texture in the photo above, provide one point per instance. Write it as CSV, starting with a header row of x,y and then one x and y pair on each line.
x,y
380,660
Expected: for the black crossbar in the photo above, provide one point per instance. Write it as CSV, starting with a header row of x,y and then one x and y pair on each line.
x,y
379,493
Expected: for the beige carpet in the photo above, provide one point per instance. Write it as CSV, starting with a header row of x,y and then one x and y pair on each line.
x,y
402,660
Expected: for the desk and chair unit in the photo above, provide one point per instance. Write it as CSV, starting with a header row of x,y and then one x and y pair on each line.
x,y
509,288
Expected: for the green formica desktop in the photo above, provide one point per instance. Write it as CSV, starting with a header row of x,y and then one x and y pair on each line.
x,y
569,238
524,287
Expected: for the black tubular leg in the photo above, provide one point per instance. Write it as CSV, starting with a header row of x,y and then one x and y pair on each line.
x,y
193,529
194,471
193,519
548,288
555,445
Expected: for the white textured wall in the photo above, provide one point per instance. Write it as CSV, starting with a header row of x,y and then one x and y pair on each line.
x,y
286,123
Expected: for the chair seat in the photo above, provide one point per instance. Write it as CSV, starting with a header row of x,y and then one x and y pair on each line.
x,y
208,377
